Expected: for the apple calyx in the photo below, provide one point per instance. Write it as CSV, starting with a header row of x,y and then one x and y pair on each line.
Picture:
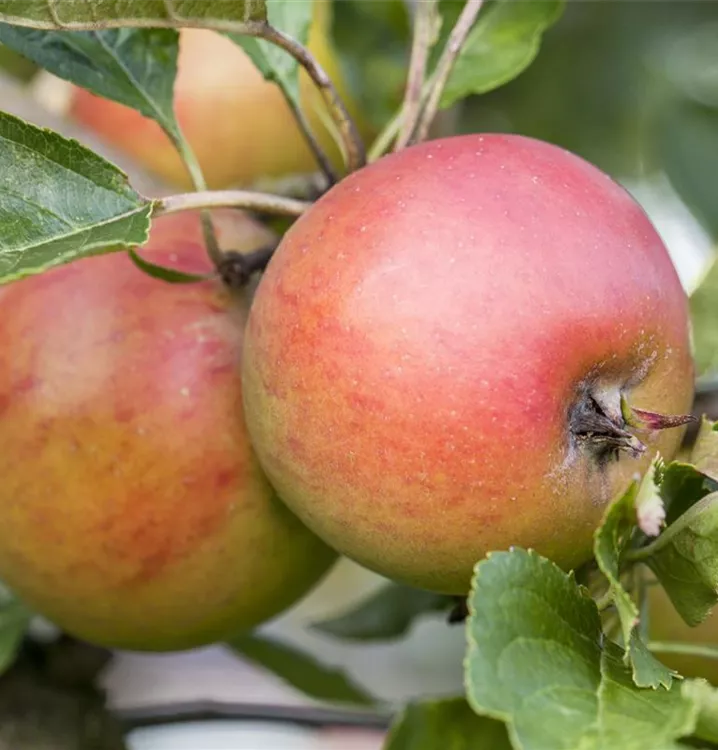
x,y
603,420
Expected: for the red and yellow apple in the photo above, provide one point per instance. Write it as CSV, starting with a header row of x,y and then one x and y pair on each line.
x,y
436,357
239,125
133,511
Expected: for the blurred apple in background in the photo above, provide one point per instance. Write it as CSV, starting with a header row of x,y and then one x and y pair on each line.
x,y
239,125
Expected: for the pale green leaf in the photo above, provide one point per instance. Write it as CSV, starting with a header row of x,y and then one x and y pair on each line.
x,y
538,660
449,724
503,43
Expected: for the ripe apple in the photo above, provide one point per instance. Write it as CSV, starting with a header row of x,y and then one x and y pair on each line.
x,y
238,124
133,510
437,355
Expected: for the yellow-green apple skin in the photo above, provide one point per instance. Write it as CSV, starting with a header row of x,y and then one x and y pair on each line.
x,y
427,338
239,125
133,512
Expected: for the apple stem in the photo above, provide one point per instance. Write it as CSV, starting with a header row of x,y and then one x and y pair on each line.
x,y
245,199
353,143
444,67
235,269
322,159
459,612
687,649
425,27
194,169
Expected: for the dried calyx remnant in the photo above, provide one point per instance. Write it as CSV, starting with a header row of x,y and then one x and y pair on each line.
x,y
235,269
602,420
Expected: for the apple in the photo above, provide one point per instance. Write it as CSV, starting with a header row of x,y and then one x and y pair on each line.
x,y
238,124
461,347
133,511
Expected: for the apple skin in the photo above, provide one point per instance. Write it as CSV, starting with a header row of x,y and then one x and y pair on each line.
x,y
420,337
134,512
238,124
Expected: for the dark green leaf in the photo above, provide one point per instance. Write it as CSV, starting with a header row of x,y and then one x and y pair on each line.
x,y
682,487
293,17
91,14
503,43
373,40
448,723
300,670
385,615
47,701
14,621
537,659
60,201
612,539
685,560
135,67
686,144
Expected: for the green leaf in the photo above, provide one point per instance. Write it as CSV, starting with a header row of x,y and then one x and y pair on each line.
x,y
537,659
448,723
385,615
704,318
686,145
503,43
706,696
14,621
682,486
646,669
300,670
170,275
92,14
135,67
611,540
684,558
705,450
16,65
60,201
50,700
293,17
373,40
